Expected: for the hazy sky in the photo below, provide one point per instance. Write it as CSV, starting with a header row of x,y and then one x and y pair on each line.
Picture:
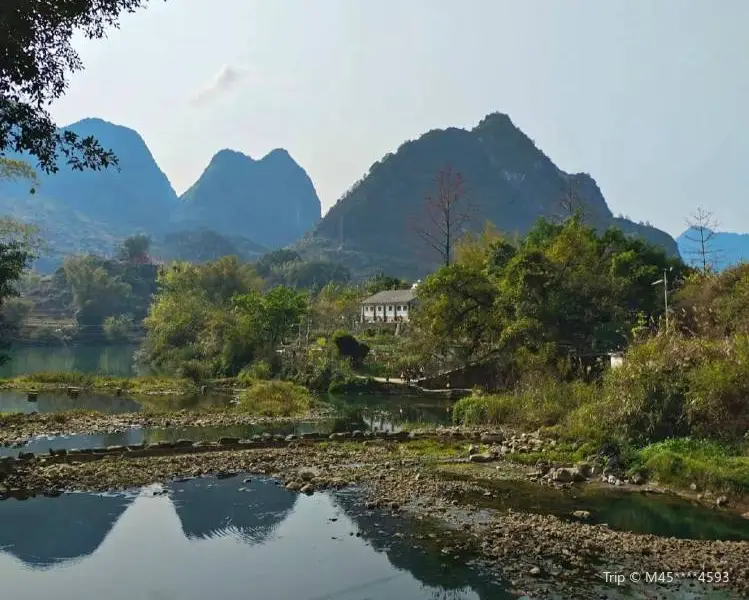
x,y
649,97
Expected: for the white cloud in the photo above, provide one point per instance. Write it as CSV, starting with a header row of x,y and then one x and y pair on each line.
x,y
226,78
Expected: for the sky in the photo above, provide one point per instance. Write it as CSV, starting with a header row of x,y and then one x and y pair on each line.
x,y
649,97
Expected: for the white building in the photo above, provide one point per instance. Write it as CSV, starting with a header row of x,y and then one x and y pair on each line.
x,y
391,306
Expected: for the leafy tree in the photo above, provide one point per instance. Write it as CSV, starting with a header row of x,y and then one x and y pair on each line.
x,y
198,246
311,275
566,291
95,293
335,305
36,61
382,282
277,258
135,249
218,280
350,348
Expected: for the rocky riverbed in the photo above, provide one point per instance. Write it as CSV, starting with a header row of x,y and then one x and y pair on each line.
x,y
17,429
541,555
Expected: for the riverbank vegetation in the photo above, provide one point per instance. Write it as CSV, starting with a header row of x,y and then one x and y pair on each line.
x,y
536,317
545,312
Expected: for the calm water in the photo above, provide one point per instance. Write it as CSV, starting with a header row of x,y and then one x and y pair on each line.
x,y
226,540
103,360
659,514
58,401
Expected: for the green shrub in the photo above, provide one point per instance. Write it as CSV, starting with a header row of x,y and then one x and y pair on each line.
x,y
258,370
350,348
276,399
194,370
117,327
544,403
673,386
684,461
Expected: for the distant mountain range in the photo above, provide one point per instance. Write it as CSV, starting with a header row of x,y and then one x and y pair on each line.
x,y
250,206
724,249
508,181
237,203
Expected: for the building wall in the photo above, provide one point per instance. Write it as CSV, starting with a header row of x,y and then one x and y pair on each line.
x,y
388,313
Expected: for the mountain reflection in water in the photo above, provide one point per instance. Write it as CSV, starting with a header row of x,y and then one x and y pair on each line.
x,y
223,539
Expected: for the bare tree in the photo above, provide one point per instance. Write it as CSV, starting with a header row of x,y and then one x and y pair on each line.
x,y
445,215
700,234
570,205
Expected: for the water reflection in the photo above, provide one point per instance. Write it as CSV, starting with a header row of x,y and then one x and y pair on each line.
x,y
115,360
224,539
14,401
658,514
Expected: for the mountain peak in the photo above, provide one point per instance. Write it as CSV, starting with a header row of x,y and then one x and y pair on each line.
x,y
496,121
509,182
279,154
229,156
270,201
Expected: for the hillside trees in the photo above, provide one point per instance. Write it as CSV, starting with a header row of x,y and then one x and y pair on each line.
x,y
563,292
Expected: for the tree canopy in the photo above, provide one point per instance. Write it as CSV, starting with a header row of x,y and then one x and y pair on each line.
x,y
37,59
565,290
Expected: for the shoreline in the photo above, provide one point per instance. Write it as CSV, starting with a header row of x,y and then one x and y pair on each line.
x,y
398,475
17,429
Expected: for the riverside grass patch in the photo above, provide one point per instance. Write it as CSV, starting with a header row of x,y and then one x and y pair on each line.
x,y
276,399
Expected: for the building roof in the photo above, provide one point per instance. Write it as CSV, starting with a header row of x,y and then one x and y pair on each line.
x,y
391,297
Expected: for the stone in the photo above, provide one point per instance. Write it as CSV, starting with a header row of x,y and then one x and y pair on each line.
x,y
721,501
480,458
293,486
583,515
586,469
228,441
694,487
745,515
492,438
535,571
308,489
638,479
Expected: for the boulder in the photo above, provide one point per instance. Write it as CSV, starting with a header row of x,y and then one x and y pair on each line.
x,y
583,515
293,486
721,501
308,489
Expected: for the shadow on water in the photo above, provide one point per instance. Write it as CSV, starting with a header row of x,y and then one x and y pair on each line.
x,y
252,538
664,515
114,360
